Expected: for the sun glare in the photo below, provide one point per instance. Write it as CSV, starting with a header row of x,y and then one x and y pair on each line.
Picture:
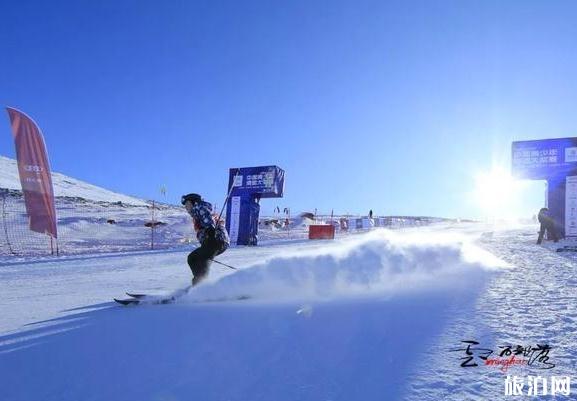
x,y
498,194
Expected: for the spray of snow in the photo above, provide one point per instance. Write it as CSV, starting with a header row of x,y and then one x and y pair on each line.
x,y
380,263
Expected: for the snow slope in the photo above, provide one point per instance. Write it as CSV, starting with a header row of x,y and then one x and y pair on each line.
x,y
369,317
84,215
64,186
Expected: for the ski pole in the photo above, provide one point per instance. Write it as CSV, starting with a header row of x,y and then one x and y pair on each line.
x,y
224,264
222,210
228,195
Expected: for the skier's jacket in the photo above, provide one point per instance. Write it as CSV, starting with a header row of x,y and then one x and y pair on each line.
x,y
204,223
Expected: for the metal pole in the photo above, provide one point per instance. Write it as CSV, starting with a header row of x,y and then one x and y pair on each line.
x,y
228,195
224,264
152,228
289,222
4,222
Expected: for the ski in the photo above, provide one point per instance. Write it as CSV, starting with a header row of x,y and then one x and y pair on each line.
x,y
137,298
147,300
159,300
130,301
132,295
568,248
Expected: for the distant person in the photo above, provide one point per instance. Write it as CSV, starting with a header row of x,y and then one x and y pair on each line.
x,y
548,224
211,234
371,214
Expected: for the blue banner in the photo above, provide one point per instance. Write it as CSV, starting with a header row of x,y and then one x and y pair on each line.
x,y
249,185
266,181
543,159
548,159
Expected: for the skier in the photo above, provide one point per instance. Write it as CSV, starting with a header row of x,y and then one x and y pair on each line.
x,y
211,234
547,223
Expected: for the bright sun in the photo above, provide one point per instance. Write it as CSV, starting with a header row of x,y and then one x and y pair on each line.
x,y
497,193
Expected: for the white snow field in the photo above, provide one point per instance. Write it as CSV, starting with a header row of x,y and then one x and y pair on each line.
x,y
370,317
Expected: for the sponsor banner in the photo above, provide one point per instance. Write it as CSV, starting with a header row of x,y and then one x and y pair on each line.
x,y
542,159
234,218
34,170
248,185
571,206
266,181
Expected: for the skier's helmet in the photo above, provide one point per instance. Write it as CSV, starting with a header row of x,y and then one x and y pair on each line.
x,y
194,198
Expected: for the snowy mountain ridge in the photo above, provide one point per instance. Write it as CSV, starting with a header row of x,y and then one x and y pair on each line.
x,y
64,186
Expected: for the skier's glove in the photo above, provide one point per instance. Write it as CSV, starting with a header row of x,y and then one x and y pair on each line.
x,y
210,233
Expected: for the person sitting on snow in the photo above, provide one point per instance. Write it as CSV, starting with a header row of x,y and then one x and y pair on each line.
x,y
547,223
211,234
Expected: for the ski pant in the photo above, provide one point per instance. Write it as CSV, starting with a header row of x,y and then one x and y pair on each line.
x,y
551,232
200,259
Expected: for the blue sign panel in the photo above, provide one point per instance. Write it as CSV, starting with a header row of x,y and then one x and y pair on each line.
x,y
267,181
249,185
553,160
543,159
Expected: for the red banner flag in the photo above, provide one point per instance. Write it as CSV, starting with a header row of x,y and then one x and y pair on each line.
x,y
34,172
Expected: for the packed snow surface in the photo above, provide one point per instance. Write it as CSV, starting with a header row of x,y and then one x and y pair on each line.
x,y
370,317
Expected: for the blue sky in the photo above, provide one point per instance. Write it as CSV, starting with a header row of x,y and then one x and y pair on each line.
x,y
393,106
